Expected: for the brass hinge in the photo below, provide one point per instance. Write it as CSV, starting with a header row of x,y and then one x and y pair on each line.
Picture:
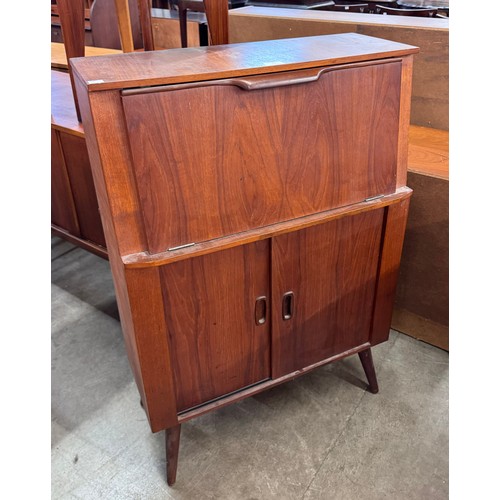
x,y
375,197
181,246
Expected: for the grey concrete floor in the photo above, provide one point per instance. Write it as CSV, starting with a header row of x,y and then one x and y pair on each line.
x,y
322,436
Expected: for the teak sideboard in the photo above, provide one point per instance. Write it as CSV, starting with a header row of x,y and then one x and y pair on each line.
x,y
254,204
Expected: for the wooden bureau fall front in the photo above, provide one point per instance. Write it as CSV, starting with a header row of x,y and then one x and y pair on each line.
x,y
254,204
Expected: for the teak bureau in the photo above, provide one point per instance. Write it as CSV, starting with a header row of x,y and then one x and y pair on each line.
x,y
254,206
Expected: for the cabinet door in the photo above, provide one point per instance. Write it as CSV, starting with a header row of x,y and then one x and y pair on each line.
x,y
242,159
323,280
218,324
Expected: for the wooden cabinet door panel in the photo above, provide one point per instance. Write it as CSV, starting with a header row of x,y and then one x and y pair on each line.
x,y
252,158
63,212
217,346
331,270
84,195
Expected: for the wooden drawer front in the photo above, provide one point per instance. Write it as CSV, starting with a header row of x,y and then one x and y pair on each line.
x,y
216,160
331,270
217,346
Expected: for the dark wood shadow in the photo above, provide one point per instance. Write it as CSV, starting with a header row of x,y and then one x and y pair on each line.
x,y
428,12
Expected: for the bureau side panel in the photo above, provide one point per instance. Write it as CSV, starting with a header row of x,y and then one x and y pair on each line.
x,y
392,247
138,292
217,160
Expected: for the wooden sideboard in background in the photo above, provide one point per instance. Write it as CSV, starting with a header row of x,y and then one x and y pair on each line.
x,y
74,209
422,298
430,94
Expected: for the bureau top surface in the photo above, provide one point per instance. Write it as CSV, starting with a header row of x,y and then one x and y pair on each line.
x,y
164,67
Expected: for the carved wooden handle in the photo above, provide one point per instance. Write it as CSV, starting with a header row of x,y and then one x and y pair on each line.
x,y
287,306
277,79
258,82
260,310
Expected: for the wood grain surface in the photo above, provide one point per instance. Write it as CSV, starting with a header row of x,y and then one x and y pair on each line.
x,y
146,259
59,60
392,246
430,93
72,18
428,152
254,158
217,18
164,67
423,286
216,345
332,271
263,386
166,34
172,441
420,327
404,119
63,211
122,11
82,187
116,176
137,293
106,27
191,326
147,344
146,24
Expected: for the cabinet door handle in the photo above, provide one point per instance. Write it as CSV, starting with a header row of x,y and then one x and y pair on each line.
x,y
260,310
287,306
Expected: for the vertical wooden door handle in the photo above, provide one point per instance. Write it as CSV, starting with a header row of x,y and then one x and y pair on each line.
x,y
287,306
260,310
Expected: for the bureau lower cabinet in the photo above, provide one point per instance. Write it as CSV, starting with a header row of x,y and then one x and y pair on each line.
x,y
254,203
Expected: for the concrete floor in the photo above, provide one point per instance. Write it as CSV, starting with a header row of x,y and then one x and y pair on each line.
x,y
322,436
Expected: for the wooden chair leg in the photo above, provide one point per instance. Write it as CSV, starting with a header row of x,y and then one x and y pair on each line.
x,y
183,25
367,362
172,439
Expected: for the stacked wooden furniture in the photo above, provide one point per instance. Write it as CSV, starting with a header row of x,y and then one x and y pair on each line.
x,y
74,209
254,203
56,28
75,214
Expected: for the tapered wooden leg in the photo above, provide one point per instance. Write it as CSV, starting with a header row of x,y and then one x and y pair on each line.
x,y
172,439
367,362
